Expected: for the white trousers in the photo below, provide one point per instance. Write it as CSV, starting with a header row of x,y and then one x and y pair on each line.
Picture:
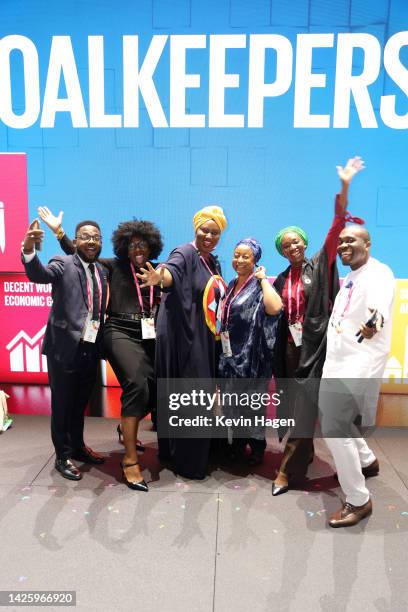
x,y
350,455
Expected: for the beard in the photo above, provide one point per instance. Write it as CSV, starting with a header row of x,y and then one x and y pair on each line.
x,y
87,258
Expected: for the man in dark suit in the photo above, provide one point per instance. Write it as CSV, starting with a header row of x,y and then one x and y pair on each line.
x,y
72,338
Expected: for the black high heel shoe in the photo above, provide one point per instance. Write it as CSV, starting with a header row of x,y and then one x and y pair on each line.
x,y
139,447
136,486
277,490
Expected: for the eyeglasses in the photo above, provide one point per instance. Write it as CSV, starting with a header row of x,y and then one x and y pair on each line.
x,y
89,238
138,245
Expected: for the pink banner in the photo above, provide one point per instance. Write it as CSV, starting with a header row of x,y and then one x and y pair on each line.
x,y
13,209
24,308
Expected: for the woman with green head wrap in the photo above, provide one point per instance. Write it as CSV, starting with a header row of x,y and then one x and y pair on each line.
x,y
308,288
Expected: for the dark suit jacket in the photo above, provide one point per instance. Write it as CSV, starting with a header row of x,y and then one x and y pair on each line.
x,y
70,303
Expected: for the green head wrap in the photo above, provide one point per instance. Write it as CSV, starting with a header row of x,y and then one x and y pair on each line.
x,y
291,228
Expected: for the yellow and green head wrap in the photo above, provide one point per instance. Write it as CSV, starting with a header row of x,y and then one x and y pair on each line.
x,y
213,213
291,228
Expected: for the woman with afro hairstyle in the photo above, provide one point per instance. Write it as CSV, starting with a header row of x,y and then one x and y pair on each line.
x,y
128,336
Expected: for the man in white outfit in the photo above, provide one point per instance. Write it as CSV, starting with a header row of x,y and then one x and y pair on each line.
x,y
355,360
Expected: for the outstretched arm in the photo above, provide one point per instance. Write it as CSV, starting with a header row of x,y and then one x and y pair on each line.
x,y
346,175
160,276
34,269
55,225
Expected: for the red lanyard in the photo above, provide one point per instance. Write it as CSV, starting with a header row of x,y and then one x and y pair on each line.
x,y
139,293
88,287
290,298
206,265
226,318
347,305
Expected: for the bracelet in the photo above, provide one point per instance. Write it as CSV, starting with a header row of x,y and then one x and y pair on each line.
x,y
60,233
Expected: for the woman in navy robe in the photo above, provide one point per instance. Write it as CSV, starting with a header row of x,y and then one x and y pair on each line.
x,y
249,322
187,344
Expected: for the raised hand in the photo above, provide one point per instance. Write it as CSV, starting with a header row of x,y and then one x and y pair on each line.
x,y
33,236
149,276
260,273
353,166
53,222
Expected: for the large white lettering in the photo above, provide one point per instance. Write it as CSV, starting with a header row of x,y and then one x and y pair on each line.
x,y
347,83
257,51
8,44
306,80
258,90
62,64
399,74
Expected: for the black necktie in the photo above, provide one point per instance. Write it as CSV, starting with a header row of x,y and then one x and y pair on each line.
x,y
95,298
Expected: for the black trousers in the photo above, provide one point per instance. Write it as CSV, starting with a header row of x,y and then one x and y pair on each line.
x,y
71,387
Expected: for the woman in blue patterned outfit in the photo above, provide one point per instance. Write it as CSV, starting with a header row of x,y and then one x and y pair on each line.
x,y
249,321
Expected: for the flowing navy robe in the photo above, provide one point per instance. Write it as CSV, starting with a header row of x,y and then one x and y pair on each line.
x,y
185,348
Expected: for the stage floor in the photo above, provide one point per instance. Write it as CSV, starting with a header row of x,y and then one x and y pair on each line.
x,y
218,545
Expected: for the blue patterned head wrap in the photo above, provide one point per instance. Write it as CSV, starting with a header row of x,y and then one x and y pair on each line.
x,y
254,245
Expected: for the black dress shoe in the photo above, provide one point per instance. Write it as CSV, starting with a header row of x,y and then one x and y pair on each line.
x,y
87,455
277,490
67,469
136,486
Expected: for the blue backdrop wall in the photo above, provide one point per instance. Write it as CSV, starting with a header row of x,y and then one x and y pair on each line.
x,y
264,178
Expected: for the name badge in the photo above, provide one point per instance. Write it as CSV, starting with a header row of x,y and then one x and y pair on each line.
x,y
148,330
296,331
225,343
91,331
